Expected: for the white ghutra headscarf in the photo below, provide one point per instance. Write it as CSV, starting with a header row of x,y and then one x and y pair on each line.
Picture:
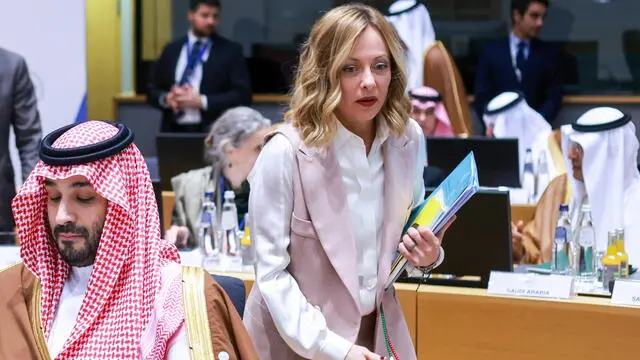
x,y
511,117
609,168
412,21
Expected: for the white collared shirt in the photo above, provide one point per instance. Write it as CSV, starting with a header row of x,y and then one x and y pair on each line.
x,y
363,181
304,328
192,116
68,308
513,46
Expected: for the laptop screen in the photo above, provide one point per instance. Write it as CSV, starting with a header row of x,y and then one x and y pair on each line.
x,y
497,159
478,241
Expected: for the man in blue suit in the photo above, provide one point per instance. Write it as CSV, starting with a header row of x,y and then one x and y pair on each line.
x,y
523,63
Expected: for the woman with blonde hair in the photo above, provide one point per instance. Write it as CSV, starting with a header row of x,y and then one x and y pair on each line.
x,y
329,197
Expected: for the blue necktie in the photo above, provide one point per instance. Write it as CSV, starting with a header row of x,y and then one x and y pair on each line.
x,y
192,62
520,58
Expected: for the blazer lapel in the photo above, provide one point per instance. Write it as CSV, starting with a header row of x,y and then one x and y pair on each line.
x,y
328,209
530,64
209,66
509,64
173,59
398,193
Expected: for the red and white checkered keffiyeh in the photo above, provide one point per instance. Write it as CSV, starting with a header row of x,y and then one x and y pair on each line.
x,y
126,274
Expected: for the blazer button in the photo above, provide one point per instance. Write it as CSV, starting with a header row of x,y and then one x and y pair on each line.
x,y
371,283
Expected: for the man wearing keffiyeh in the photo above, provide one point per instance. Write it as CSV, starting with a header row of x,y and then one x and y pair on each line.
x,y
97,281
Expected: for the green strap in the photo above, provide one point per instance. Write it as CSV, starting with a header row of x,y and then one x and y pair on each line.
x,y
386,333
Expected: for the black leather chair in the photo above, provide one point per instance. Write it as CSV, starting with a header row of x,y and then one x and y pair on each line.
x,y
235,289
7,237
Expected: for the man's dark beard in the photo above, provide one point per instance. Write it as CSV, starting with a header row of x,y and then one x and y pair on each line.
x,y
203,32
78,257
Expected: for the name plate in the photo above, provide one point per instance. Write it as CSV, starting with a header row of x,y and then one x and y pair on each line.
x,y
626,292
530,285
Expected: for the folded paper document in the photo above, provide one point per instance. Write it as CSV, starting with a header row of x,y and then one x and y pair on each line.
x,y
440,206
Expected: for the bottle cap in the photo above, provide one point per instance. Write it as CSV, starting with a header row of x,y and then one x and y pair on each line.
x,y
564,207
246,238
229,195
208,195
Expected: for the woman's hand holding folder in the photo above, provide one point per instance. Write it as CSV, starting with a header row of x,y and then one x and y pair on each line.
x,y
420,246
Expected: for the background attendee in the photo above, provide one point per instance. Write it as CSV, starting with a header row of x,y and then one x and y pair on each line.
x,y
601,149
412,21
199,76
441,73
522,62
104,281
428,110
329,194
509,116
601,162
18,110
232,146
428,62
532,242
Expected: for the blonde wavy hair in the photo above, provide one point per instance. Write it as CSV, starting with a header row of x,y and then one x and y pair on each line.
x,y
316,92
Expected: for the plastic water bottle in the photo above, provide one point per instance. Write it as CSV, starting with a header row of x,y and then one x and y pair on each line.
x,y
622,254
528,178
542,175
611,262
207,231
246,245
561,243
586,247
229,224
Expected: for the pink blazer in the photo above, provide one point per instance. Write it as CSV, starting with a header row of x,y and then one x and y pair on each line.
x,y
323,252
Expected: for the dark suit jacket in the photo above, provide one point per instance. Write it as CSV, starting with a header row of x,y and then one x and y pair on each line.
x,y
541,79
225,80
18,110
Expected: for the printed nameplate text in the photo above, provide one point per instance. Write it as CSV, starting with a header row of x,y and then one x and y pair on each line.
x,y
626,292
530,285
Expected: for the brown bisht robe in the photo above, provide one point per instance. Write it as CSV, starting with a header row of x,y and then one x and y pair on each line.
x,y
537,235
441,74
22,338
